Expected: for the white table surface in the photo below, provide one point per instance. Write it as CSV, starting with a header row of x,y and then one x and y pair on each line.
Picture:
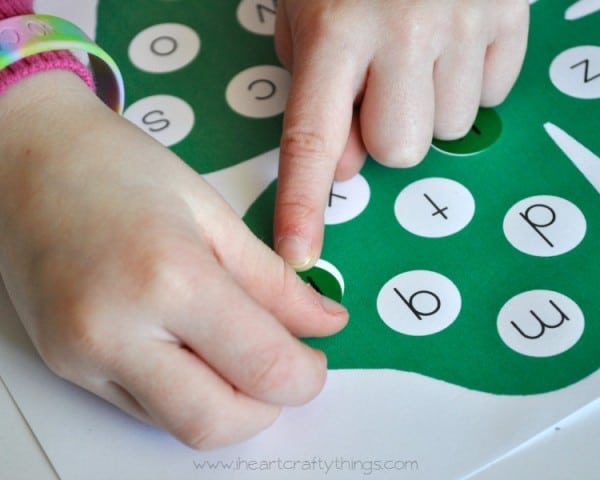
x,y
569,450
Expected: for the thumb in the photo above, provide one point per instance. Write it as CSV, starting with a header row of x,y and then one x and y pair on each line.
x,y
272,282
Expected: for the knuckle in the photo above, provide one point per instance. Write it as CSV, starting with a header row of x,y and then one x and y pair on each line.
x,y
288,280
468,22
164,272
299,210
79,336
346,170
457,128
202,434
405,156
284,53
155,269
492,96
269,370
287,284
522,8
409,158
318,24
461,128
515,15
279,278
414,30
69,324
53,358
396,153
217,427
304,144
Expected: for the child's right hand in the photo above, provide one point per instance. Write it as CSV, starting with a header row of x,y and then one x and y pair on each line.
x,y
383,77
136,281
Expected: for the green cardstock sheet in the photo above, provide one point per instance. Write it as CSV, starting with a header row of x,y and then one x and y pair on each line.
x,y
480,266
471,279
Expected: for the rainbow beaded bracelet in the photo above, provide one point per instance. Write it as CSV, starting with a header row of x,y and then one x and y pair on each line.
x,y
27,35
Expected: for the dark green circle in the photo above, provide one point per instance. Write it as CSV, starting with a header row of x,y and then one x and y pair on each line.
x,y
323,282
485,131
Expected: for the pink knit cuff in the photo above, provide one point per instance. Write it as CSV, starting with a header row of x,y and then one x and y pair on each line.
x,y
61,59
42,62
12,8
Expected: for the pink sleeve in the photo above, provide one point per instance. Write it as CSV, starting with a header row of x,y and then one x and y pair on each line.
x,y
10,8
61,59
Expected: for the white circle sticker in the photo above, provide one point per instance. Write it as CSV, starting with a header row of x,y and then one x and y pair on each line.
x,y
168,119
544,226
347,200
540,323
258,16
434,207
164,48
259,92
331,268
576,72
419,303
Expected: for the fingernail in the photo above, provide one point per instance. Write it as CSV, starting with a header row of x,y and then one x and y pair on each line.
x,y
331,306
295,251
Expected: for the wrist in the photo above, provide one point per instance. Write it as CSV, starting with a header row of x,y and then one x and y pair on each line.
x,y
27,108
40,116
43,120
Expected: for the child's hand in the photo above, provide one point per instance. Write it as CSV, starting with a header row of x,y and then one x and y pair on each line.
x,y
385,75
137,282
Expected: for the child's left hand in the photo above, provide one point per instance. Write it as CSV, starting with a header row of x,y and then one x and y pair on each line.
x,y
386,75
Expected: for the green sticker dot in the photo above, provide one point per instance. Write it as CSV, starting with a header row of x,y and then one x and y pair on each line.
x,y
485,131
323,282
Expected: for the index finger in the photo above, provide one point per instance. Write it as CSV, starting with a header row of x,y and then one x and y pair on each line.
x,y
316,129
